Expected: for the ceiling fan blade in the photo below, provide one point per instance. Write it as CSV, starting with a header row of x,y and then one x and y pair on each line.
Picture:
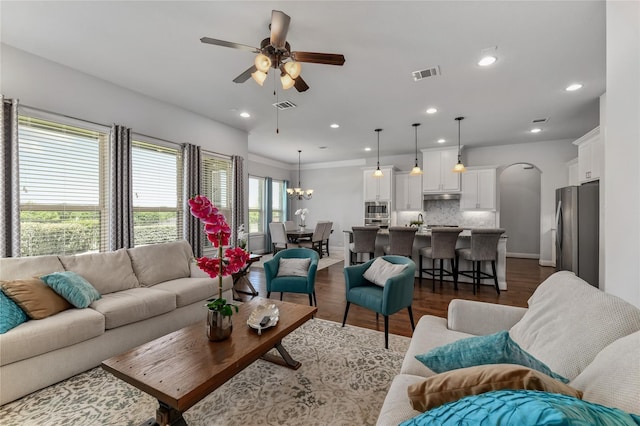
x,y
245,75
318,58
300,84
279,28
231,44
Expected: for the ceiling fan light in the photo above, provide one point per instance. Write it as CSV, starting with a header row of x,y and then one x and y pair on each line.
x,y
293,69
262,62
287,81
259,77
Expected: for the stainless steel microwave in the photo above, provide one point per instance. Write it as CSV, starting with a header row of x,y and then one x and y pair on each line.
x,y
376,209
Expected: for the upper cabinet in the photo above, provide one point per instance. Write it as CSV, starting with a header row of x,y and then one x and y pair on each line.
x,y
478,189
408,192
438,176
379,188
590,156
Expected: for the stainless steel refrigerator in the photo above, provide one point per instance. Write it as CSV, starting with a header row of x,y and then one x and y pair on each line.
x,y
577,230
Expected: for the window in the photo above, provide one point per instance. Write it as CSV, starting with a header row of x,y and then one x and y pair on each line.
x,y
156,180
278,200
256,204
62,178
217,184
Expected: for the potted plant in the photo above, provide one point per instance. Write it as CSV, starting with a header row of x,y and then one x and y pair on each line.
x,y
303,215
219,323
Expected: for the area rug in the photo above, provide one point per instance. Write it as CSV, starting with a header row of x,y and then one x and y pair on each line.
x,y
344,377
325,262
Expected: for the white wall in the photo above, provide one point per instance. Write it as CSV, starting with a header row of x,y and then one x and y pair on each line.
x,y
519,189
550,158
622,152
43,84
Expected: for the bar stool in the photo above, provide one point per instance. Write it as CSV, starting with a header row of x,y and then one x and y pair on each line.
x,y
443,247
401,240
484,248
364,241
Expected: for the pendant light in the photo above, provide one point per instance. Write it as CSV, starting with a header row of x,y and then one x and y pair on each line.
x,y
378,172
459,167
298,192
416,169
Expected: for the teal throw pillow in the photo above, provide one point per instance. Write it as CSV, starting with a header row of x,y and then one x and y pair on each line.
x,y
522,408
11,315
75,289
495,348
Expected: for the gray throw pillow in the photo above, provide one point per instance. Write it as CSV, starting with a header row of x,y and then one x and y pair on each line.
x,y
293,267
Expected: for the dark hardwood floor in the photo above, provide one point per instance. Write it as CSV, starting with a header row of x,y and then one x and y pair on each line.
x,y
523,277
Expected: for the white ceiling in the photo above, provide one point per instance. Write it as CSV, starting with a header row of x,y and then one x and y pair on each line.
x,y
153,47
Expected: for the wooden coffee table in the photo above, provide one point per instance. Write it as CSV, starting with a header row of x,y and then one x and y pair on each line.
x,y
183,367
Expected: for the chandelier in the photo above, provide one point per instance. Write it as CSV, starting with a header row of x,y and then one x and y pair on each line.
x,y
298,192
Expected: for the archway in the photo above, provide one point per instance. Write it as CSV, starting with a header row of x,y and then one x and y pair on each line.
x,y
519,195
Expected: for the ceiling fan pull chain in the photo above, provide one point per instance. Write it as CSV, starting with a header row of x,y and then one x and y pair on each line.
x,y
275,93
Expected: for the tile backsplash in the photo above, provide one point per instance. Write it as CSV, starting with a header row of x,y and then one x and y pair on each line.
x,y
447,212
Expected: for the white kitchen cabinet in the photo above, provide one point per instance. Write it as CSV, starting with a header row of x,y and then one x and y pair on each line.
x,y
572,169
379,188
408,192
590,156
478,189
438,176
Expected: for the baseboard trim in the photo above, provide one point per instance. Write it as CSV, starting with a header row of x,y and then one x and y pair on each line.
x,y
524,255
547,263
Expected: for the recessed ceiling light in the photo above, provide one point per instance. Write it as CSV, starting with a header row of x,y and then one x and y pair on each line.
x,y
432,110
487,60
335,125
535,130
441,141
573,87
245,114
367,149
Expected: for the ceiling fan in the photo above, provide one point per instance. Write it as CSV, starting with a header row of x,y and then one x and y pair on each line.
x,y
275,52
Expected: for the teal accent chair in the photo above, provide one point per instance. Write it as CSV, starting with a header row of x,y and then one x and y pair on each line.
x,y
396,294
292,284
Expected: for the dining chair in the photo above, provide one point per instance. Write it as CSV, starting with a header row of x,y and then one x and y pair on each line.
x,y
328,226
279,239
443,247
315,243
284,274
401,240
394,294
484,248
290,225
364,241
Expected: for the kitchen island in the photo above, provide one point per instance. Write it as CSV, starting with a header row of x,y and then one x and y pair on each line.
x,y
423,239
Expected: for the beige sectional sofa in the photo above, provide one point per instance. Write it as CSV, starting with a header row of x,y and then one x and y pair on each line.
x,y
146,292
580,332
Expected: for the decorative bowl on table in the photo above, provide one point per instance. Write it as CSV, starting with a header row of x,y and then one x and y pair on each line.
x,y
259,313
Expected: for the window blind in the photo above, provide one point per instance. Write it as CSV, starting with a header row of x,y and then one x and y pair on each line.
x,y
217,185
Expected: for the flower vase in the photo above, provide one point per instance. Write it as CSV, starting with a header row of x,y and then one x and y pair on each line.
x,y
219,327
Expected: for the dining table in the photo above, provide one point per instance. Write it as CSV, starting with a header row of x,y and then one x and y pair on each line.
x,y
298,234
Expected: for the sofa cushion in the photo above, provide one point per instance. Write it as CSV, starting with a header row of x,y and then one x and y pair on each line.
x,y
58,331
613,378
380,271
396,407
156,263
522,408
73,287
453,385
191,290
107,272
11,315
568,322
132,305
14,268
497,348
34,297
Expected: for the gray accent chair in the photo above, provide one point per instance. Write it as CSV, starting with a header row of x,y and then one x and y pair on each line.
x,y
484,248
401,241
364,241
443,247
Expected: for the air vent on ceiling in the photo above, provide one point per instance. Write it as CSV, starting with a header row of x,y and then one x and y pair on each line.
x,y
284,105
429,72
540,120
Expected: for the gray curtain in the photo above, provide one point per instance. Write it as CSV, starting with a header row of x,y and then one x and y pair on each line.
x,y
9,181
268,188
192,186
237,216
120,189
